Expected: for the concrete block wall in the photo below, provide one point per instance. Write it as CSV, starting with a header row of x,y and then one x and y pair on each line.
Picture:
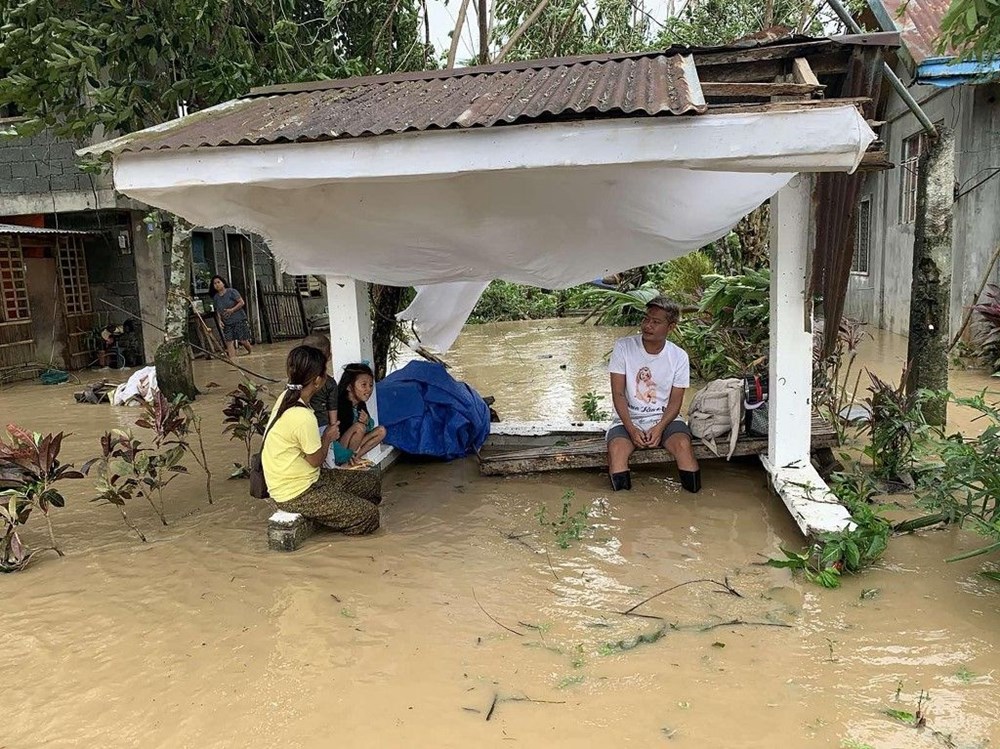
x,y
40,174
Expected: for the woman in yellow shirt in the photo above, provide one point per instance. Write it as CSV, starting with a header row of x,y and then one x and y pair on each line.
x,y
293,452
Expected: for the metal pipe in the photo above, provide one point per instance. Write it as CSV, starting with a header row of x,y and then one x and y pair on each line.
x,y
889,73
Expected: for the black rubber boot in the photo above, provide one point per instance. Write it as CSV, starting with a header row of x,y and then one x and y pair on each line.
x,y
691,480
621,481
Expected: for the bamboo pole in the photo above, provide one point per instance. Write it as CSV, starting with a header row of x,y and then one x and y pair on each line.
x,y
975,299
484,37
456,35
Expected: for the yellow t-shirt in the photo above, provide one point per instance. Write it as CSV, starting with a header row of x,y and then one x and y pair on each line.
x,y
289,440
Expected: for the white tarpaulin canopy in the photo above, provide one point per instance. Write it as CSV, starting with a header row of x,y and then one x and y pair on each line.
x,y
549,205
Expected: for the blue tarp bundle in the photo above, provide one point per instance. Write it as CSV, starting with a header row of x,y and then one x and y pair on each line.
x,y
426,411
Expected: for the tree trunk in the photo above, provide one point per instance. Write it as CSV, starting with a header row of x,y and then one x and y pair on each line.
x,y
174,373
386,302
927,350
484,39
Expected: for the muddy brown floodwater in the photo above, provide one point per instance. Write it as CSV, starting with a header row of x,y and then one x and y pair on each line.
x,y
204,638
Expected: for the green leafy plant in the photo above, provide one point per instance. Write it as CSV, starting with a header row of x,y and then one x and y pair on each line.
x,y
171,422
964,485
728,336
849,551
896,426
127,471
569,525
682,278
614,306
503,300
835,383
29,473
971,27
989,342
246,415
592,407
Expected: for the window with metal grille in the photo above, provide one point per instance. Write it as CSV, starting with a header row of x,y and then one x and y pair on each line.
x,y
862,239
73,270
13,289
913,149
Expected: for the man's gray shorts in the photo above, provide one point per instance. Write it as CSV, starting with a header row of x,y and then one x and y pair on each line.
x,y
677,426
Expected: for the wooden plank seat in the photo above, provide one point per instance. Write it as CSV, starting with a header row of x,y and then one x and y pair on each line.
x,y
592,453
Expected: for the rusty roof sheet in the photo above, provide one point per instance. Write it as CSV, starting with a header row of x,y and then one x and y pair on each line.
x,y
919,22
655,84
18,229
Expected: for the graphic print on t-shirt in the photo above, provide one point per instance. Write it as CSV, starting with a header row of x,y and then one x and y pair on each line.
x,y
645,386
649,378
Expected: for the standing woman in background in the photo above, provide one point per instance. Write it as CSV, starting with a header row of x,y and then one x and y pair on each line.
x,y
231,312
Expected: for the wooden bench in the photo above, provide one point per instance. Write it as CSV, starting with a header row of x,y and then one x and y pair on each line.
x,y
592,453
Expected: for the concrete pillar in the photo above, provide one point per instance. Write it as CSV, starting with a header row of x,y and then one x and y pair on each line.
x,y
150,282
350,326
813,507
790,376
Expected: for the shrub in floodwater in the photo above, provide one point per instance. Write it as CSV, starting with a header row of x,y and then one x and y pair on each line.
x,y
592,407
990,325
127,471
833,392
171,422
896,427
849,551
246,415
29,471
965,485
569,526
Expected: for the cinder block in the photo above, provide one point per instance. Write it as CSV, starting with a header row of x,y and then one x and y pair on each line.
x,y
64,183
37,185
286,531
23,169
9,153
5,175
49,168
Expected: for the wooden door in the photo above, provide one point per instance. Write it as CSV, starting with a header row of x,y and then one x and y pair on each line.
x,y
48,322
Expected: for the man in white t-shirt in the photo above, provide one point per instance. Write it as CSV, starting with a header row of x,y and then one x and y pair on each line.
x,y
649,375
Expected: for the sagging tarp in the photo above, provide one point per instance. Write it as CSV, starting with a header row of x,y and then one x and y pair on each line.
x,y
428,412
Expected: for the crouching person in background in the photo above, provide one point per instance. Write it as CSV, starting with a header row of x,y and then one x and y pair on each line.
x,y
293,452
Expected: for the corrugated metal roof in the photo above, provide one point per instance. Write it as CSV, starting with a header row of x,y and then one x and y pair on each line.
x,y
610,85
654,84
18,229
919,24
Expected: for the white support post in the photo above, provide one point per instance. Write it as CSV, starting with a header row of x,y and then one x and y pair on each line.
x,y
350,325
349,308
790,376
814,508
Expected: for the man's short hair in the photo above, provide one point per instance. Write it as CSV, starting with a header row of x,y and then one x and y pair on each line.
x,y
318,341
663,302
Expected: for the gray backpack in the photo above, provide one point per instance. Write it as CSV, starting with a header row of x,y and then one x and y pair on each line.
x,y
716,411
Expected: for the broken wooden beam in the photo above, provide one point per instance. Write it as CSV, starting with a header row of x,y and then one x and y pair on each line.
x,y
759,90
802,72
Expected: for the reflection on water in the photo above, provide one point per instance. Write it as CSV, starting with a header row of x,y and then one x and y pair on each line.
x,y
204,638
